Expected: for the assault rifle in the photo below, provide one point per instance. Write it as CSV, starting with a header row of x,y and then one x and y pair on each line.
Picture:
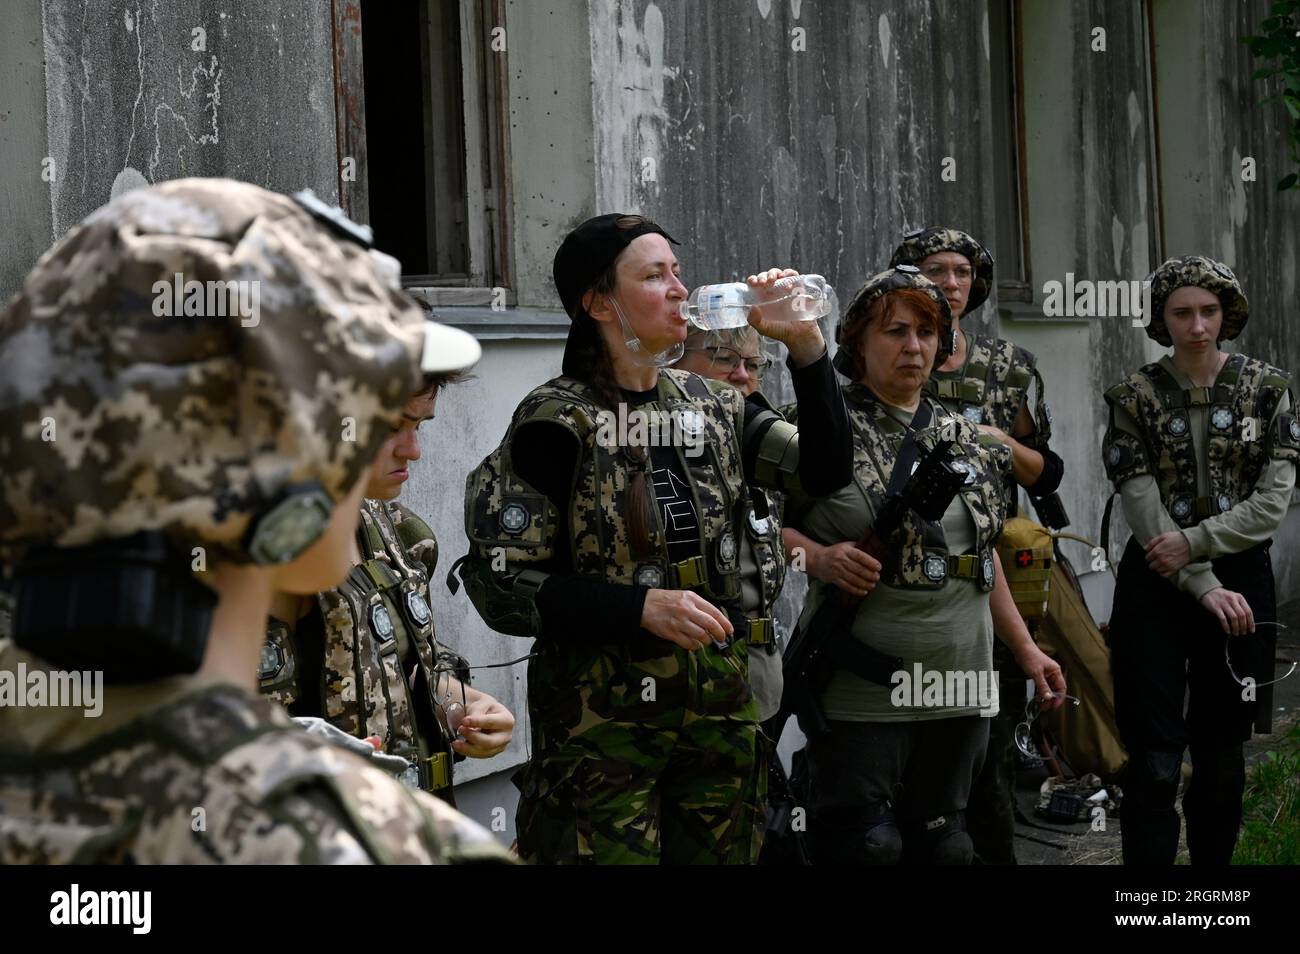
x,y
826,643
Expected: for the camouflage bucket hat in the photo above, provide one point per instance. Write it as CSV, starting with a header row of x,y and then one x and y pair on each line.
x,y
894,279
919,245
1204,273
187,354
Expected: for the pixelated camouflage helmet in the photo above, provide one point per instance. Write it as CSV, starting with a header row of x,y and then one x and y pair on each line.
x,y
895,278
188,355
919,245
1203,272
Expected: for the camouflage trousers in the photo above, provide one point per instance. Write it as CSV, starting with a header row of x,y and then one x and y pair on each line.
x,y
991,811
643,754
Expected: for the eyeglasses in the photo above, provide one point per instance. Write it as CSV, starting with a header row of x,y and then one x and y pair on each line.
x,y
1024,735
936,273
449,689
1252,684
728,360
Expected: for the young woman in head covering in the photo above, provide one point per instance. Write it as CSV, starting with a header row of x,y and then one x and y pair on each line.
x,y
1202,448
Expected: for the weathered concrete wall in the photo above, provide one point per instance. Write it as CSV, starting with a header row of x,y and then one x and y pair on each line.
x,y
1209,123
755,145
130,100
552,158
25,200
1091,212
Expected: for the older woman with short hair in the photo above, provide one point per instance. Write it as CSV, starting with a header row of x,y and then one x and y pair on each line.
x,y
892,775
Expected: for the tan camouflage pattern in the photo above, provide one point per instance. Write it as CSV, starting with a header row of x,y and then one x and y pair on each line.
x,y
991,387
1204,272
269,794
878,285
919,245
876,439
365,689
1245,388
601,543
189,424
765,554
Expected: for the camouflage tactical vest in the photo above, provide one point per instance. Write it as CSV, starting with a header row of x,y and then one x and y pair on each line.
x,y
512,525
374,618
220,776
1240,436
920,557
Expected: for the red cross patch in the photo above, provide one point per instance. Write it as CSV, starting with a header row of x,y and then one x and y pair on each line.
x,y
1024,558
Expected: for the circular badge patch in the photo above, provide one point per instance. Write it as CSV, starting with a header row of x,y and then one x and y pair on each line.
x,y
1221,419
514,518
1225,503
910,269
935,568
418,607
1177,425
1114,455
691,422
650,576
973,414
1182,509
1294,429
727,548
381,623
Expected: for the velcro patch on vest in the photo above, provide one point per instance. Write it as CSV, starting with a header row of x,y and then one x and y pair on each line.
x,y
1286,439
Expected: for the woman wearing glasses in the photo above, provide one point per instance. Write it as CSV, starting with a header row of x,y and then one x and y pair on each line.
x,y
892,772
618,548
987,381
735,355
1202,447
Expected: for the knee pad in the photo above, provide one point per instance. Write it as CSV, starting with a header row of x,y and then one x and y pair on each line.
x,y
882,842
945,841
858,837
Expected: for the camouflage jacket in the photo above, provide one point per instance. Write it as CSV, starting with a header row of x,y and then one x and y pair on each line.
x,y
990,389
919,556
512,527
375,621
218,775
1242,435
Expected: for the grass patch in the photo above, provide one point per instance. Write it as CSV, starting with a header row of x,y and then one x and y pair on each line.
x,y
1270,833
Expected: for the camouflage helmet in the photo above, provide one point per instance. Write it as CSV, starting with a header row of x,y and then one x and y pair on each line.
x,y
919,245
187,355
893,279
1202,272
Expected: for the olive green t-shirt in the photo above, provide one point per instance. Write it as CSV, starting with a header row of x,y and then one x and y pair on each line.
x,y
948,631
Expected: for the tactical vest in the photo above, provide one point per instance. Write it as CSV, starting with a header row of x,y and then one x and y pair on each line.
x,y
510,522
920,557
374,618
1240,438
762,560
282,795
991,386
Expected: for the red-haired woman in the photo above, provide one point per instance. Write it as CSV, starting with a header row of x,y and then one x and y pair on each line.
x,y
891,776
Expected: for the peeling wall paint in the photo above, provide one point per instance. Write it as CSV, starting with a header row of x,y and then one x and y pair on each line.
x,y
127,93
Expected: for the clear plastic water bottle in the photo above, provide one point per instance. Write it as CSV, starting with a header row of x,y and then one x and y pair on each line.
x,y
797,298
